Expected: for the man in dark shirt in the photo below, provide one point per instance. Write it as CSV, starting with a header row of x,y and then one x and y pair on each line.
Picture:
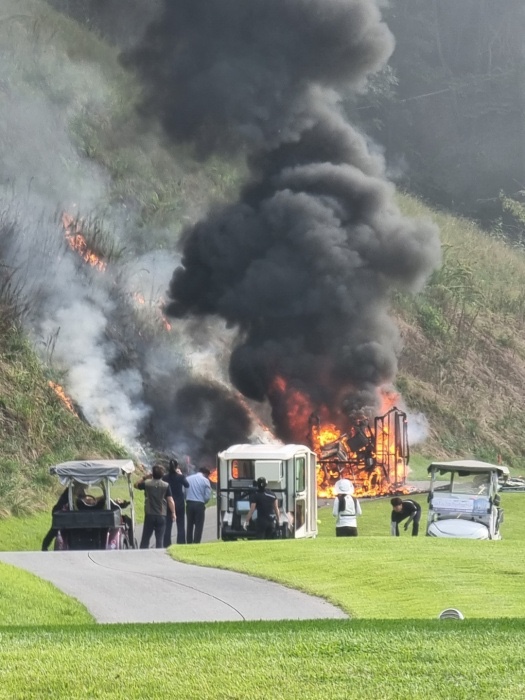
x,y
265,503
178,482
402,510
157,500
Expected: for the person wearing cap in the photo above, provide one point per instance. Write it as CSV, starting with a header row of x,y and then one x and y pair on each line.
x,y
265,503
401,510
346,509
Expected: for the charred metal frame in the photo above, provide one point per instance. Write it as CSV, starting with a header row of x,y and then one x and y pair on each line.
x,y
373,463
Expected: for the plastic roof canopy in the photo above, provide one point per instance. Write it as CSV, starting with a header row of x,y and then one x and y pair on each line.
x,y
468,466
92,472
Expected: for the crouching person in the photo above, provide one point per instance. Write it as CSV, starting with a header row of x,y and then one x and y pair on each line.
x,y
404,510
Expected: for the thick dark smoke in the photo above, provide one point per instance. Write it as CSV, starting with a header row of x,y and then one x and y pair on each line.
x,y
226,72
208,419
304,263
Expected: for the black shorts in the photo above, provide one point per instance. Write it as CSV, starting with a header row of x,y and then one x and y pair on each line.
x,y
346,531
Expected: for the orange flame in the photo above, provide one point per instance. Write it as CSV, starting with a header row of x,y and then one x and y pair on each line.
x,y
59,391
375,465
78,243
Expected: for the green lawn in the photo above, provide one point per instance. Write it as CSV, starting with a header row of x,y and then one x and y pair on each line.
x,y
365,660
381,577
28,600
49,648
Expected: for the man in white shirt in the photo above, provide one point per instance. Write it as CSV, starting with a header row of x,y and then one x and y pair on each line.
x,y
198,494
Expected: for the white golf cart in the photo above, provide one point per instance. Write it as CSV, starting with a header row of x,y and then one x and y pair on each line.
x,y
290,471
463,500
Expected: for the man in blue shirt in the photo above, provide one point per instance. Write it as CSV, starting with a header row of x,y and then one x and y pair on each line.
x,y
198,494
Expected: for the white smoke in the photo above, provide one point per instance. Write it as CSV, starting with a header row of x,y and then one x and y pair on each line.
x,y
46,101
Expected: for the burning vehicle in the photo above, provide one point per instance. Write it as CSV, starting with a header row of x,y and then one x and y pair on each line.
x,y
463,500
373,455
290,471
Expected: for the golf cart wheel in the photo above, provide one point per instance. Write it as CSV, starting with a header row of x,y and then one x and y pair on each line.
x,y
227,536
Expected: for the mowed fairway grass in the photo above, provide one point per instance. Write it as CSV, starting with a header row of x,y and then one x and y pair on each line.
x,y
377,576
383,652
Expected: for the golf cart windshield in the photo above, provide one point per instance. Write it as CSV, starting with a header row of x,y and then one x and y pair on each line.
x,y
471,484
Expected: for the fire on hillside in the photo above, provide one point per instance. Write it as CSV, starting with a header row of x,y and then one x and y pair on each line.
x,y
64,398
77,241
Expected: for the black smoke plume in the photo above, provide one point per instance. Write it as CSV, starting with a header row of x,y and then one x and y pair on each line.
x,y
305,262
208,420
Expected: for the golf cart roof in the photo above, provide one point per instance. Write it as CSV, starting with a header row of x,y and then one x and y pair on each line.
x,y
91,472
262,451
469,466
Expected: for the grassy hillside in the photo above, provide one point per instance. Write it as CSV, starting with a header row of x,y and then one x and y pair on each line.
x,y
463,360
36,428
56,61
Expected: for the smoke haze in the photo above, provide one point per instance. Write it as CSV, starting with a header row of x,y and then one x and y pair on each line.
x,y
104,333
303,265
285,290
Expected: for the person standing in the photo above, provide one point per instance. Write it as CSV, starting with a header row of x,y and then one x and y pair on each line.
x,y
198,493
265,503
346,509
402,510
157,501
178,482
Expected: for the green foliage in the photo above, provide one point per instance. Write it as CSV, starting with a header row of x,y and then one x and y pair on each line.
x,y
453,121
431,320
513,219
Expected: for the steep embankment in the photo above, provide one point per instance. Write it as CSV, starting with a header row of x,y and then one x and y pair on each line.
x,y
36,428
463,358
71,141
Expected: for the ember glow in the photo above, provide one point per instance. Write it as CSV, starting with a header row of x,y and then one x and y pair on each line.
x,y
59,391
370,451
155,304
77,242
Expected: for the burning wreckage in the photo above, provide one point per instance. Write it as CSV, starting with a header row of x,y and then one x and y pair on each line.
x,y
374,455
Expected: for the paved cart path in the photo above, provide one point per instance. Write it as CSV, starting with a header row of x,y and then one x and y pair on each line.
x,y
149,586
